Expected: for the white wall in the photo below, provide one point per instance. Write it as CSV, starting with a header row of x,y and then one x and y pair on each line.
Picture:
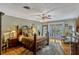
x,y
9,21
71,22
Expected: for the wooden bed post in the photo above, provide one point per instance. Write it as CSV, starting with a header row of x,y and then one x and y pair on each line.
x,y
1,13
34,45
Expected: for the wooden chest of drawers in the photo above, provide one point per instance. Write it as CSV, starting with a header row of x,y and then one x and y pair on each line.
x,y
75,48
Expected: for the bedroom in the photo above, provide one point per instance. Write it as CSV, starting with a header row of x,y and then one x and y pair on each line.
x,y
35,22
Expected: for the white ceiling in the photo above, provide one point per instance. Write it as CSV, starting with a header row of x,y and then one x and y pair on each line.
x,y
62,11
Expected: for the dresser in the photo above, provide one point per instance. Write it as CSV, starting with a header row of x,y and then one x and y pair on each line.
x,y
75,48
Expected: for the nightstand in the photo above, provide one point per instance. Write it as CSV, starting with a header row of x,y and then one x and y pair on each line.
x,y
12,42
3,48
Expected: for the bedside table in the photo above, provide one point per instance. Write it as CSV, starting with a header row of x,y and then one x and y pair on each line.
x,y
12,42
4,47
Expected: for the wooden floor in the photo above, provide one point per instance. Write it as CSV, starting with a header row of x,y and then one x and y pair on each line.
x,y
66,48
16,51
54,48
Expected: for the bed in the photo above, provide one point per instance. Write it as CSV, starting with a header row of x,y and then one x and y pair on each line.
x,y
30,40
34,43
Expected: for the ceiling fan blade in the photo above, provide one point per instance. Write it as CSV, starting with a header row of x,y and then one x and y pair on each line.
x,y
35,14
49,18
38,18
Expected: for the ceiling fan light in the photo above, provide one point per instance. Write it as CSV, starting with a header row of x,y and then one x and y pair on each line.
x,y
41,20
46,20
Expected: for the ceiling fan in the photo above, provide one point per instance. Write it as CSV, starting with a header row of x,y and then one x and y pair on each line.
x,y
46,15
43,15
